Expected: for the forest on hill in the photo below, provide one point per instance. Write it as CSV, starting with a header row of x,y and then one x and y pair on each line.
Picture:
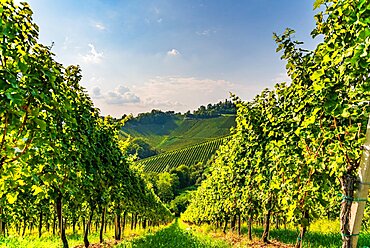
x,y
160,117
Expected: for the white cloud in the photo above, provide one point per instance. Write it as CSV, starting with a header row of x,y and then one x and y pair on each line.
x,y
122,89
206,32
120,99
159,20
96,92
183,93
173,52
156,10
95,80
175,93
100,26
93,57
119,96
155,103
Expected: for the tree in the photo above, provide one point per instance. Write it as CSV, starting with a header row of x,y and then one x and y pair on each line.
x,y
182,172
180,203
141,148
166,186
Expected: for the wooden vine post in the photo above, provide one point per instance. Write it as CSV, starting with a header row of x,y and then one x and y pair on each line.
x,y
362,191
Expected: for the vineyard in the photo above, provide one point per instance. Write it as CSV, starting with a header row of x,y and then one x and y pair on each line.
x,y
179,132
61,163
299,152
186,156
298,155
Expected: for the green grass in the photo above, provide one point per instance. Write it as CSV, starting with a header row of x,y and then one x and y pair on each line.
x,y
172,237
311,239
48,240
178,132
186,156
322,233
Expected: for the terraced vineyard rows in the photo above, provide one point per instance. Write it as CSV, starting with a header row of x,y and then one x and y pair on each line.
x,y
179,132
188,156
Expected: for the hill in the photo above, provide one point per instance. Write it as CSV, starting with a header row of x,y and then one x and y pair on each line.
x,y
185,156
177,131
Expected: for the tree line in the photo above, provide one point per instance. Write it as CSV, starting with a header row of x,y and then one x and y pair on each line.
x,y
203,112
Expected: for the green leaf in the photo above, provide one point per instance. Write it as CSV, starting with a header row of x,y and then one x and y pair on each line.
x,y
318,86
364,33
41,123
23,67
317,4
326,58
317,74
345,113
11,94
297,131
12,197
3,86
36,189
309,121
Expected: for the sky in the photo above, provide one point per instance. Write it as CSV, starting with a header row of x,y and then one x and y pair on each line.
x,y
175,55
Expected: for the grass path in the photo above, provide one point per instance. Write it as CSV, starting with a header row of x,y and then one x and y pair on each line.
x,y
174,236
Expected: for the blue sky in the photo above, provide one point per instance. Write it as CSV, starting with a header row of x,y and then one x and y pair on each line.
x,y
171,55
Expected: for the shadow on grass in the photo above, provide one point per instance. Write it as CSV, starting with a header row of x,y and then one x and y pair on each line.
x,y
311,239
170,237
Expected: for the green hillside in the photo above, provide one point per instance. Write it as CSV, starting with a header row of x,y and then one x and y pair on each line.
x,y
178,131
186,156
